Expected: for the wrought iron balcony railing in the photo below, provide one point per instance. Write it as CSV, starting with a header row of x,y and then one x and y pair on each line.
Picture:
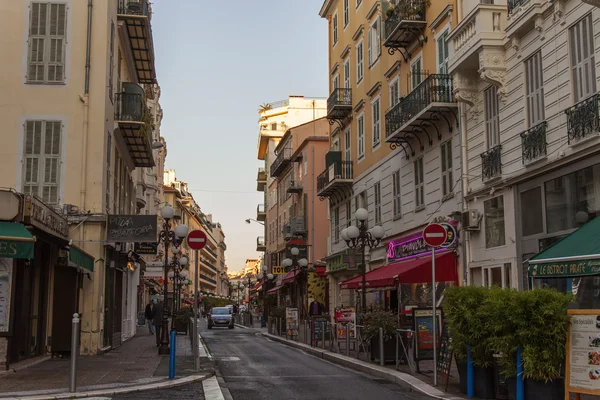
x,y
134,7
208,279
337,170
209,265
295,187
405,10
341,97
491,163
435,88
583,119
283,159
512,4
534,142
129,107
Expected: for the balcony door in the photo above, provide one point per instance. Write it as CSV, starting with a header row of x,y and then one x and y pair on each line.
x,y
442,54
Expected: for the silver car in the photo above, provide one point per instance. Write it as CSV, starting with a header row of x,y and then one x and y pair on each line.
x,y
220,316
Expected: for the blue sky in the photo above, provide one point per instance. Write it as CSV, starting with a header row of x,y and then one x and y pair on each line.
x,y
216,62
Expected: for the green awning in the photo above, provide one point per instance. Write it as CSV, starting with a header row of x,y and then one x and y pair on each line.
x,y
81,259
575,255
15,241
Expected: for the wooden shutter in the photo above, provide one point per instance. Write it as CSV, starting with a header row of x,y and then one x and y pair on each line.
x,y
534,89
33,155
37,42
447,179
370,46
57,39
347,74
396,191
492,121
582,59
442,46
378,36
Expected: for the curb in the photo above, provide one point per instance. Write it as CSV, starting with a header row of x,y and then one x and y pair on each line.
x,y
111,392
405,380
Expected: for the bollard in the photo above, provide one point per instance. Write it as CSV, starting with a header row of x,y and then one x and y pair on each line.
x,y
347,340
470,374
74,352
172,354
323,335
381,356
520,384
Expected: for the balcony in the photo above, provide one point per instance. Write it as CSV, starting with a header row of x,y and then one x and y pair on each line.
x,y
209,265
430,101
296,227
130,114
405,24
209,253
261,213
339,104
136,15
261,245
481,31
295,187
491,163
261,180
208,279
335,180
140,196
534,144
523,15
583,120
595,3
283,160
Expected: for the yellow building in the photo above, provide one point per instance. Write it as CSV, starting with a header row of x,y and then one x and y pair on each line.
x,y
394,143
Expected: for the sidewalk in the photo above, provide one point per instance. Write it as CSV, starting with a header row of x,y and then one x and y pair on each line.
x,y
136,363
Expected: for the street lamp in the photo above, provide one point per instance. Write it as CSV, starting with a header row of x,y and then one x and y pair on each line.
x,y
167,237
301,264
359,237
252,219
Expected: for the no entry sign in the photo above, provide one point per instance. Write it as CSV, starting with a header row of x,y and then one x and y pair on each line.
x,y
435,235
196,240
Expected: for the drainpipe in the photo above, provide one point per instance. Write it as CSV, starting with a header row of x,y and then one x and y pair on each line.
x,y
464,186
312,211
86,104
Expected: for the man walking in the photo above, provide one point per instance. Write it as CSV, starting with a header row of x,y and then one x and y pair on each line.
x,y
149,316
157,316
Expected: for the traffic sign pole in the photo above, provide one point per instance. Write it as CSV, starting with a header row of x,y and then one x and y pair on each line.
x,y
435,354
196,241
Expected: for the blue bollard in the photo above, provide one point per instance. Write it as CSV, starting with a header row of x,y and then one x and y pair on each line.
x,y
172,354
470,374
520,372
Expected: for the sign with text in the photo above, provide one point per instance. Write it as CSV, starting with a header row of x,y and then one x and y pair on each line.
x,y
423,327
6,279
146,248
444,359
291,321
131,228
42,216
345,317
320,322
582,372
279,270
565,269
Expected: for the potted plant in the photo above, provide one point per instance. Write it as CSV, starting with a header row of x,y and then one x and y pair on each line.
x,y
182,320
372,321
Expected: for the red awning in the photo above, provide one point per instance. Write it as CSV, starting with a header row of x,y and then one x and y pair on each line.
x,y
289,277
410,271
274,290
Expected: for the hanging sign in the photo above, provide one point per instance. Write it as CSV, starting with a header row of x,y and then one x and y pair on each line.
x,y
146,248
131,228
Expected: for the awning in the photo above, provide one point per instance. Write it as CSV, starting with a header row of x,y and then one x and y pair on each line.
x,y
79,258
274,290
578,254
15,241
289,277
411,271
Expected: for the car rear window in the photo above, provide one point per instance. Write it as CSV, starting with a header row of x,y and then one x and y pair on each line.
x,y
220,311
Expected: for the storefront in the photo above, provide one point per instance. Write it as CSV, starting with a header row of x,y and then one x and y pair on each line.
x,y
116,264
340,267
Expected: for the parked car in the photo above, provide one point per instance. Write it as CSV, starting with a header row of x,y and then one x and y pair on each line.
x,y
220,316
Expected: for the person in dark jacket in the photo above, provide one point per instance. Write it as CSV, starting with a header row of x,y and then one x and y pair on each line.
x,y
157,316
315,308
148,314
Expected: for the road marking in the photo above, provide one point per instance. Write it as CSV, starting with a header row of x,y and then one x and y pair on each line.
x,y
434,235
228,359
196,240
212,390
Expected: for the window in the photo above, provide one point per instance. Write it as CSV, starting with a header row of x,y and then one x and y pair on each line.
x,y
335,144
274,126
532,214
47,43
111,65
305,158
534,82
335,28
360,201
358,3
377,201
360,126
348,214
360,62
396,194
496,275
347,73
346,12
416,73
336,82
394,92
347,145
494,222
42,159
376,122
335,225
492,119
447,181
419,183
442,55
374,49
583,64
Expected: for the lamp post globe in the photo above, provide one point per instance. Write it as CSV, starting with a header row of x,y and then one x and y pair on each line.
x,y
352,232
295,251
183,261
361,214
303,262
167,212
175,250
345,235
270,276
181,231
378,232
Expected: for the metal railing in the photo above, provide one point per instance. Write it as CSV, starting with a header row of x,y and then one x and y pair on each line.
x,y
512,4
583,119
339,97
436,88
134,7
285,155
209,265
533,142
341,170
129,107
208,249
491,163
208,279
406,10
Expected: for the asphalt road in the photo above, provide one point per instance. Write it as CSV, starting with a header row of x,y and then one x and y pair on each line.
x,y
188,392
253,368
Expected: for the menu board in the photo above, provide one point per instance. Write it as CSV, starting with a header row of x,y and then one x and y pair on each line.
x,y
317,328
5,284
444,358
423,327
291,321
583,352
345,317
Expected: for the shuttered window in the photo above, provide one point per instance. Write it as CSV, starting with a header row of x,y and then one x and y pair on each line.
x,y
394,92
347,74
377,201
534,84
360,62
335,29
360,126
347,145
492,119
419,183
581,42
443,54
41,175
47,43
108,158
447,179
374,45
397,194
376,118
348,214
346,12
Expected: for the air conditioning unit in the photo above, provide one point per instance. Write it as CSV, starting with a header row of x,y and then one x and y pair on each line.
x,y
470,220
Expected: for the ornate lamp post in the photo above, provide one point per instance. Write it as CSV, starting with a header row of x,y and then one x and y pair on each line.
x,y
268,278
167,237
301,264
359,237
178,277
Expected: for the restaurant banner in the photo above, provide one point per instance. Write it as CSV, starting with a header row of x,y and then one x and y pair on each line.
x,y
6,268
582,372
345,316
423,327
565,269
291,320
146,248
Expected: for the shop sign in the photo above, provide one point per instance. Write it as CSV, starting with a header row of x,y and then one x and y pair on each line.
x,y
146,248
300,245
413,245
340,263
423,328
565,269
45,218
131,228
582,372
154,273
6,265
279,270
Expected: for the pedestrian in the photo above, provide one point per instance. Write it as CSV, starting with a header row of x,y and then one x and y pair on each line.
x,y
157,317
315,308
149,316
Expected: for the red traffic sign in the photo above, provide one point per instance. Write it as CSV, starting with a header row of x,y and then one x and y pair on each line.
x,y
435,235
196,240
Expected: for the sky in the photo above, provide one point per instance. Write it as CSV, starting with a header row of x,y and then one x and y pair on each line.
x,y
216,62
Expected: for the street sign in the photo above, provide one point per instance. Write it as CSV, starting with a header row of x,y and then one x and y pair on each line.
x,y
196,240
435,235
450,233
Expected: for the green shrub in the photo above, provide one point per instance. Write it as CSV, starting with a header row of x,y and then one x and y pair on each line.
x,y
378,318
